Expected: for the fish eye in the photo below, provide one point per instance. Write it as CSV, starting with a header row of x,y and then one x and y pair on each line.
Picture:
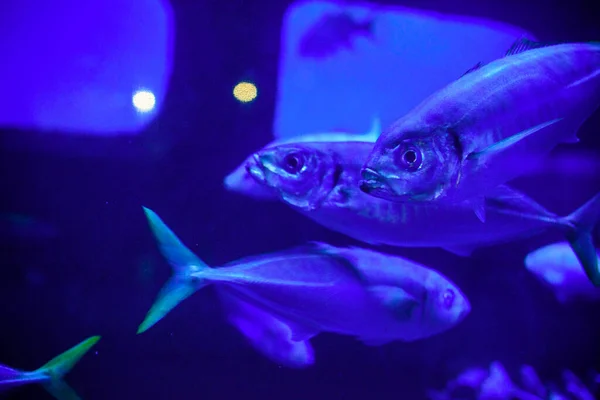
x,y
410,158
448,298
293,163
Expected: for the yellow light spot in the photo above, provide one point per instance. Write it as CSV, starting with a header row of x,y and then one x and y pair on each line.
x,y
245,92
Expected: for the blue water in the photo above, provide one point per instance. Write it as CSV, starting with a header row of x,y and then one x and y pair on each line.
x,y
85,262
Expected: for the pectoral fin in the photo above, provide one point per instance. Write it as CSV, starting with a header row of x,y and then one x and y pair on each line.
x,y
487,154
478,204
399,302
299,331
462,251
375,341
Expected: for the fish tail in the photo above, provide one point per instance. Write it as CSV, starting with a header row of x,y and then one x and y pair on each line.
x,y
186,266
60,365
582,222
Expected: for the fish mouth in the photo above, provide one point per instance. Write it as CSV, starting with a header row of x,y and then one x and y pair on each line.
x,y
255,169
465,311
375,184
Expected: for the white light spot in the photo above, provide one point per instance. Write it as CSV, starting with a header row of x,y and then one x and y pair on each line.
x,y
143,100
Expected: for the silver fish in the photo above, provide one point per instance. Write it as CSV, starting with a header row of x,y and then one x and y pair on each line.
x,y
51,374
268,335
320,180
240,181
557,265
473,134
311,289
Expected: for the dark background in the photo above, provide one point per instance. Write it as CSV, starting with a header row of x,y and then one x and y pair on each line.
x,y
100,275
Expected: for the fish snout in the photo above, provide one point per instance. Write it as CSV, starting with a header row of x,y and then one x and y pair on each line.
x,y
465,309
374,184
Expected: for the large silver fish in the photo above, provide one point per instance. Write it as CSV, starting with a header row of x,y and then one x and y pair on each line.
x,y
374,297
51,374
487,127
321,181
239,181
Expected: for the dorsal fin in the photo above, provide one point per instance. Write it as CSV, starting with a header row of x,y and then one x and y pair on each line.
x,y
523,44
473,68
519,46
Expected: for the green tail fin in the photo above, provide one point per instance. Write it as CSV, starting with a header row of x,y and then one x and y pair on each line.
x,y
185,264
584,219
59,366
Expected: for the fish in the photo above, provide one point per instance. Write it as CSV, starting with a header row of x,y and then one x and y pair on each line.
x,y
239,181
332,32
531,381
557,265
471,377
468,381
268,335
575,387
51,374
320,180
317,288
499,386
487,127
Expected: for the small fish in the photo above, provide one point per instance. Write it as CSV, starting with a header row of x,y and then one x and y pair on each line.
x,y
333,32
268,335
469,380
487,127
240,181
320,180
531,381
575,387
498,385
556,395
557,265
471,377
317,288
51,374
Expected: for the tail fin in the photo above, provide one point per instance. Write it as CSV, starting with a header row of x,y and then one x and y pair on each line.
x,y
185,264
580,238
59,366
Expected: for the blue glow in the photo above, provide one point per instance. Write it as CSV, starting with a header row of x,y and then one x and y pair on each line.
x,y
74,65
412,54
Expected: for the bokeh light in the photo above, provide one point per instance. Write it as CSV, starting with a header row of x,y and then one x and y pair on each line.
x,y
245,92
143,100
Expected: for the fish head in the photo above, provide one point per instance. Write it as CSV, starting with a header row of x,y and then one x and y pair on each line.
x,y
412,167
446,304
301,174
240,181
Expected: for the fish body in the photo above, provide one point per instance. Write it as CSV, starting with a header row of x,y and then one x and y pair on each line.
x,y
240,181
267,334
487,127
317,288
557,265
51,374
320,180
